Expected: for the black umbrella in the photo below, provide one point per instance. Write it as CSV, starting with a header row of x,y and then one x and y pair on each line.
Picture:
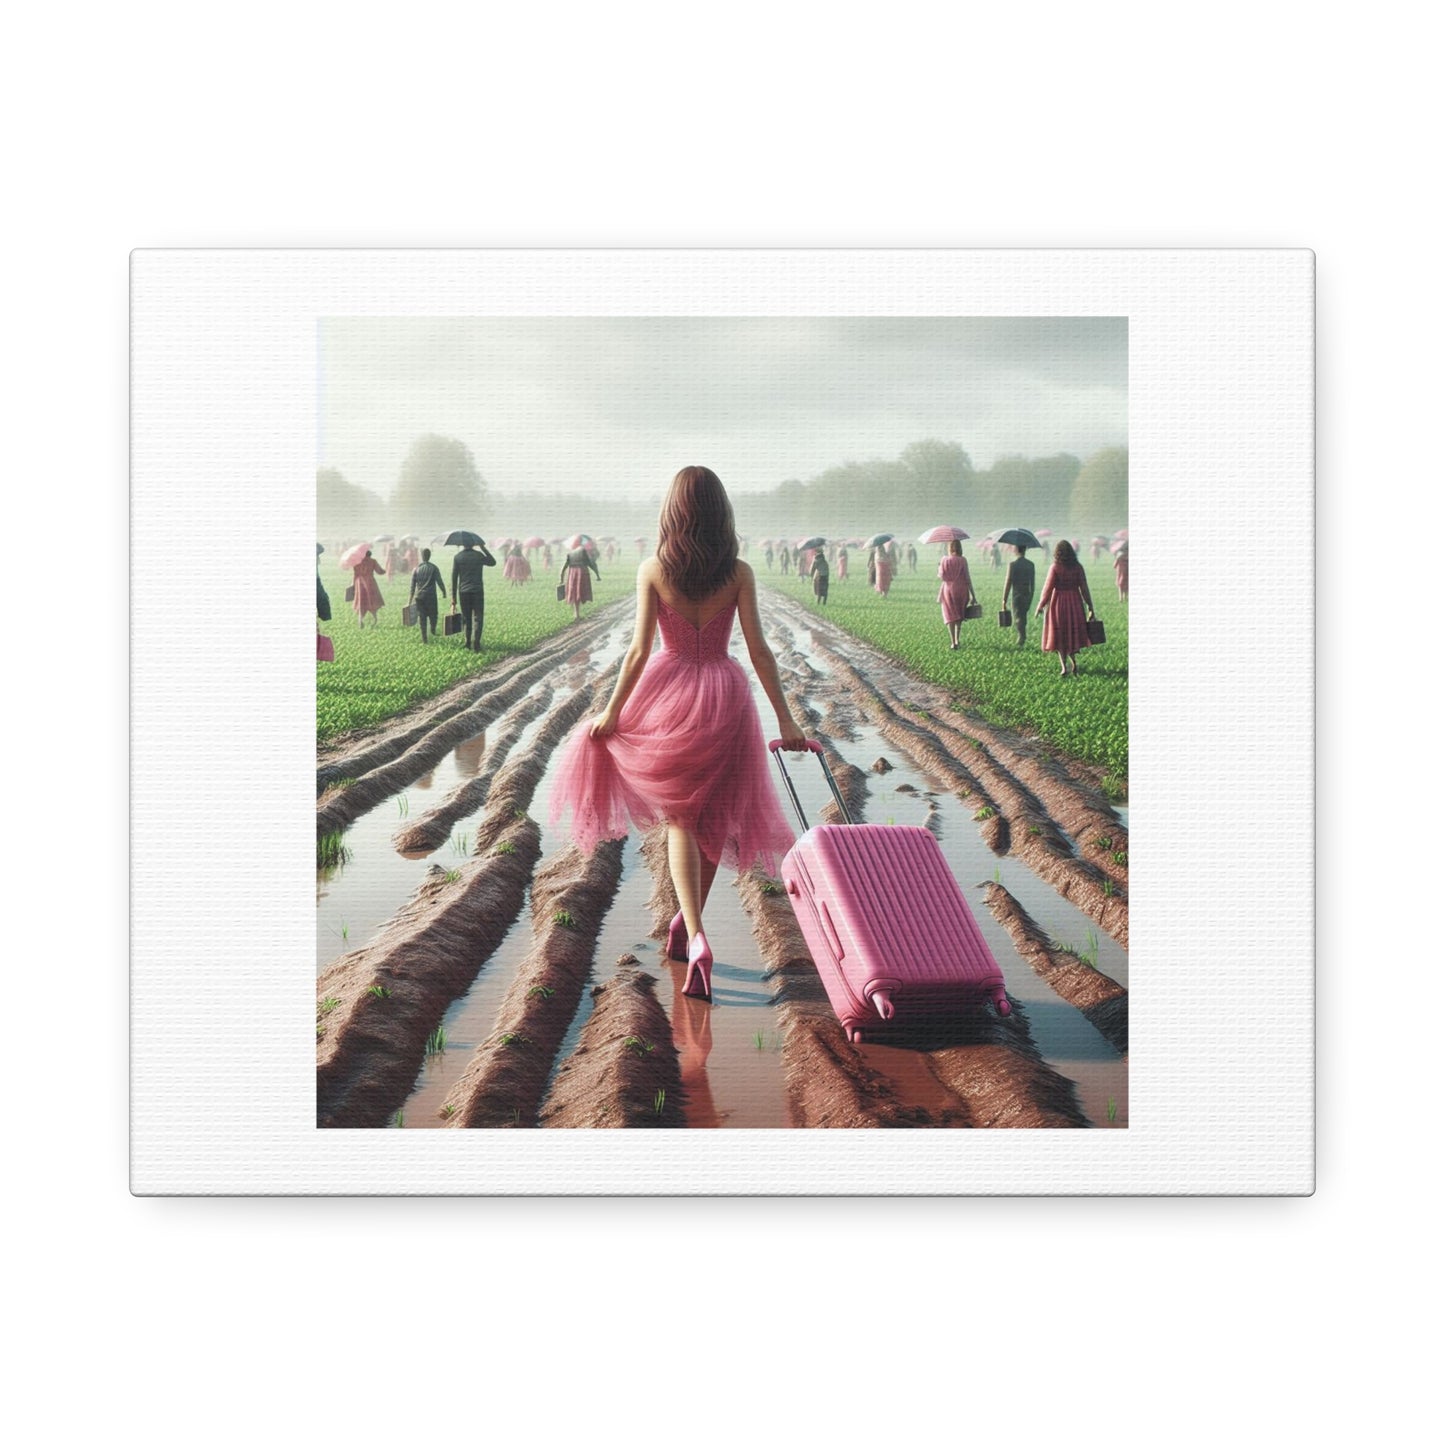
x,y
812,542
463,539
879,539
1018,537
319,549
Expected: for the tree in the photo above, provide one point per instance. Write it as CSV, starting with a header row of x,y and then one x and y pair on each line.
x,y
440,487
1101,492
344,510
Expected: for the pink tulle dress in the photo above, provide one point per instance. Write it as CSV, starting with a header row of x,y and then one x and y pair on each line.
x,y
688,749
955,587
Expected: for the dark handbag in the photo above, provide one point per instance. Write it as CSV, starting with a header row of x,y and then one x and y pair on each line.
x,y
452,624
561,592
974,609
408,616
1005,618
351,593
1095,629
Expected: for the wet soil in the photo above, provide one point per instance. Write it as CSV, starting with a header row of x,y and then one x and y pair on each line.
x,y
556,1006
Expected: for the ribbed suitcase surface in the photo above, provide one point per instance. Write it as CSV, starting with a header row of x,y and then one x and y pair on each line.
x,y
888,926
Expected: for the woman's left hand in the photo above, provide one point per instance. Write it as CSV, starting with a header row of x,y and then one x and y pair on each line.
x,y
603,724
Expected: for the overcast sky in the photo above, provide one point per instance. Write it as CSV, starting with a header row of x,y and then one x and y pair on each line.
x,y
618,405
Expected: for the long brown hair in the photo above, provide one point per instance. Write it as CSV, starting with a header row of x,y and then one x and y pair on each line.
x,y
697,542
1065,555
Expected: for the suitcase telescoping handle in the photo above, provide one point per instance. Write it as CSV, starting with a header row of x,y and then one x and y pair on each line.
x,y
777,750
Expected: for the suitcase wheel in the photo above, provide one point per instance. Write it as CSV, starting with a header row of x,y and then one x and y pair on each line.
x,y
1003,1005
855,1036
883,1003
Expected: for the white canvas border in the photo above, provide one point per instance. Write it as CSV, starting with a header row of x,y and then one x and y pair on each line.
x,y
1221,447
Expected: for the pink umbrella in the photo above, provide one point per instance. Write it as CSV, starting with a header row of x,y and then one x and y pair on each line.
x,y
535,542
944,534
354,556
1122,545
1122,534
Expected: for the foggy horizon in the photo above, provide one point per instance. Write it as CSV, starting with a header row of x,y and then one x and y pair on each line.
x,y
612,407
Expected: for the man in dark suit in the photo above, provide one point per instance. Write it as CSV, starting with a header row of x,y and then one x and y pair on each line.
x,y
424,583
467,589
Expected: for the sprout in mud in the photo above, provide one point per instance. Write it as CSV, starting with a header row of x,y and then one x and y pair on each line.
x,y
758,1040
399,1122
540,990
451,875
436,1041
659,1100
1113,1110
637,1045
326,1005
984,814
1121,858
514,1040
330,852
379,990
770,889
1108,887
563,919
502,849
446,1111
1035,831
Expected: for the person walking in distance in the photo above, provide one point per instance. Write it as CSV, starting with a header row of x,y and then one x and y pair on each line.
x,y
955,591
467,590
819,572
680,740
576,584
425,580
1065,595
1018,592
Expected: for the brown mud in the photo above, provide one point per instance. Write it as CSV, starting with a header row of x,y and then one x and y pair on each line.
x,y
354,754
1101,1000
503,1085
369,1045
624,1071
434,827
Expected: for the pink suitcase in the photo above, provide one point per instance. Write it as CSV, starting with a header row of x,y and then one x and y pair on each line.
x,y
890,931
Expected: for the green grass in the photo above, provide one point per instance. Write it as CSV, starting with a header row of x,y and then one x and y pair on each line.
x,y
563,919
451,875
514,1041
1087,716
771,889
1113,1109
331,852
984,814
503,849
758,1040
382,671
379,990
436,1041
326,1005
659,1101
540,990
447,1110
637,1045
461,842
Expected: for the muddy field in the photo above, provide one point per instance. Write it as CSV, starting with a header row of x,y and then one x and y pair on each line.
x,y
474,970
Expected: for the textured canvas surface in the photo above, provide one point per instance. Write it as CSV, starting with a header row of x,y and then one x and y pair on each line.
x,y
1221,774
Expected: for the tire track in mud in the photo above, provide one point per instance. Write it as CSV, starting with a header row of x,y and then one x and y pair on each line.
x,y
503,1084
434,827
370,1046
624,1060
1101,999
515,785
337,810
1020,820
354,756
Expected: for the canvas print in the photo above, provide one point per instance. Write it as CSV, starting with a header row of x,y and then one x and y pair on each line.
x,y
722,723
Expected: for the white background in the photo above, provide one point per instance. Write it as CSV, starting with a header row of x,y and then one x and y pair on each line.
x,y
758,126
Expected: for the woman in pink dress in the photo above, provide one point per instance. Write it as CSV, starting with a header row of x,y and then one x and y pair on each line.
x,y
680,741
955,591
516,569
842,564
575,581
882,570
1121,572
1066,591
367,597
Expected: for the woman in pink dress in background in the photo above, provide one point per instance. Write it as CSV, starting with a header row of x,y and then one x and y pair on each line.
x,y
955,592
1121,572
680,741
882,570
367,596
1066,591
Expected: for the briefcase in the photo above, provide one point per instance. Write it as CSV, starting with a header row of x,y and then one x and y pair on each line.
x,y
1005,618
451,624
1095,629
351,593
974,609
408,616
561,592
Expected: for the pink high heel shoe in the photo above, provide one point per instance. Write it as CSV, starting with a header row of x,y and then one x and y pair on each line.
x,y
698,983
677,939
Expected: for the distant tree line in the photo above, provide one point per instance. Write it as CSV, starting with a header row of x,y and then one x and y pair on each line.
x,y
931,482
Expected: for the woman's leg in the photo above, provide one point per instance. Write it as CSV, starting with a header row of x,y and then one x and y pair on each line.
x,y
685,861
